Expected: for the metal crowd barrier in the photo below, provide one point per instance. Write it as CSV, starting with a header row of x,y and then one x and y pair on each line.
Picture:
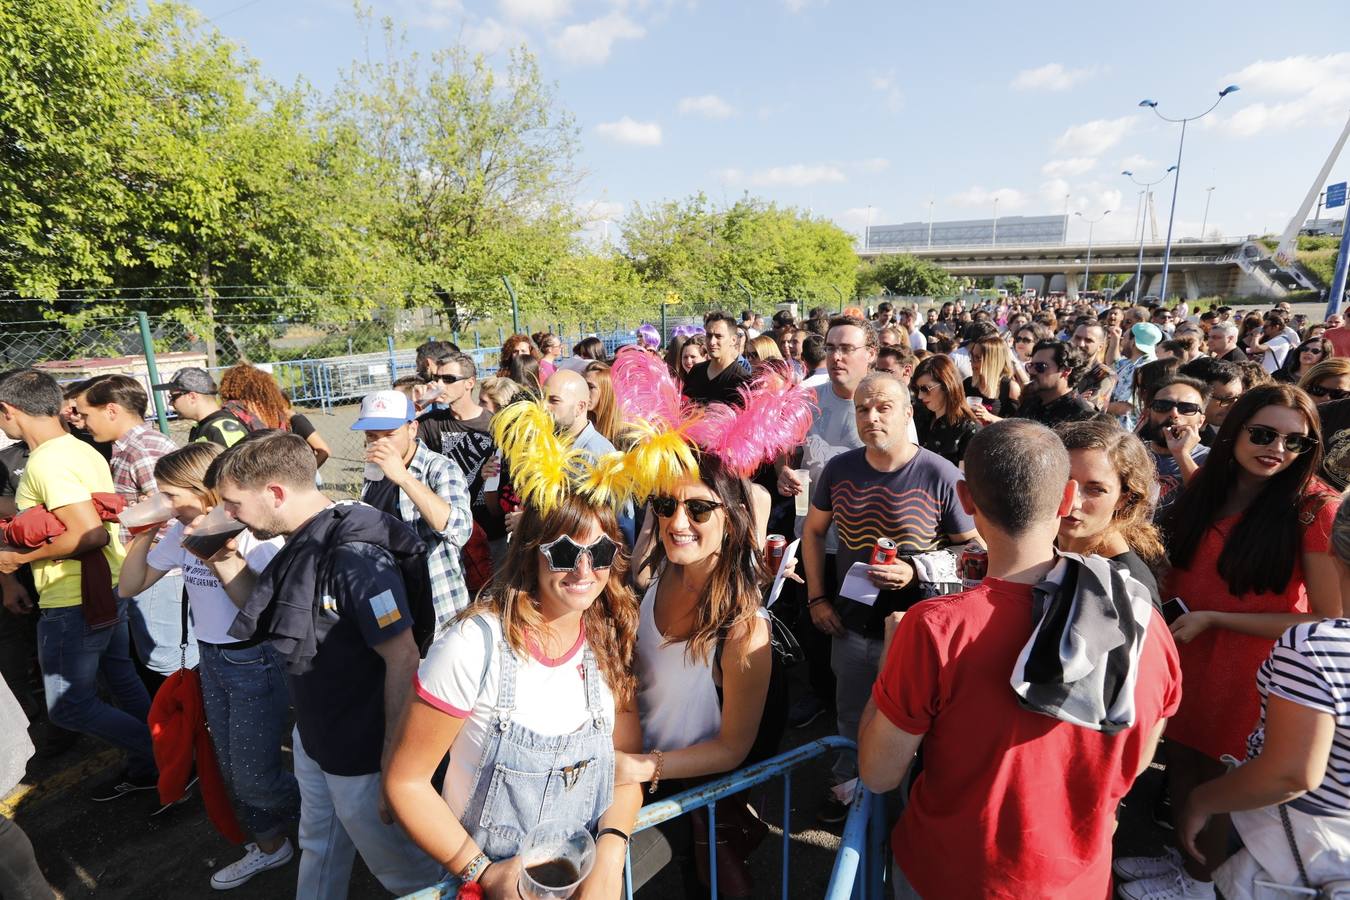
x,y
861,852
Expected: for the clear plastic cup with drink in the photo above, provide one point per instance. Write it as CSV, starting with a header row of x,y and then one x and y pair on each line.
x,y
555,857
803,498
152,510
211,533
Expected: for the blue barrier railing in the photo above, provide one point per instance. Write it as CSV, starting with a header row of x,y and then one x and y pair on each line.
x,y
862,847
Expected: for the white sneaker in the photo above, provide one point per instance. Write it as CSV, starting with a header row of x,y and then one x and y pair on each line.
x,y
1133,868
1173,886
254,861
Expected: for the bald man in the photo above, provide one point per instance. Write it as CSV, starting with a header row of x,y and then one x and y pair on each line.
x,y
569,400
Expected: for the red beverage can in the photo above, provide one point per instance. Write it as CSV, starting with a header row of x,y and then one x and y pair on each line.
x,y
774,547
883,554
974,565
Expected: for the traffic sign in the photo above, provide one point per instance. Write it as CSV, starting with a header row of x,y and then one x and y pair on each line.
x,y
1335,195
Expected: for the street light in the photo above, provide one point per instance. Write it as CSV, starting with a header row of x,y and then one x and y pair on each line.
x,y
994,241
1066,218
1087,269
930,223
1209,194
1147,186
1181,145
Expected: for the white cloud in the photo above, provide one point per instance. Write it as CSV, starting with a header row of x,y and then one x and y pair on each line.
x,y
1293,92
1135,162
590,43
1093,138
889,88
859,217
709,105
796,6
1053,191
491,36
1009,199
795,175
1074,165
435,14
629,131
874,166
533,10
1050,77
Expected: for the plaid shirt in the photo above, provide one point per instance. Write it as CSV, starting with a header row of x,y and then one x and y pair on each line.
x,y
449,594
133,464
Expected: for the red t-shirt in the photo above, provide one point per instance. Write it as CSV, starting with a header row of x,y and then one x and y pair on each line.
x,y
1010,803
1340,339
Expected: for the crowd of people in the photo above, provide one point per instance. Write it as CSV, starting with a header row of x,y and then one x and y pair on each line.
x,y
1041,546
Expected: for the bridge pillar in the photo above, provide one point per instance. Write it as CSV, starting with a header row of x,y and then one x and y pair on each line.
x,y
1192,286
1071,286
1154,282
1049,283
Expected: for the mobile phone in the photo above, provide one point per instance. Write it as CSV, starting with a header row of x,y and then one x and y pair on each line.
x,y
1174,609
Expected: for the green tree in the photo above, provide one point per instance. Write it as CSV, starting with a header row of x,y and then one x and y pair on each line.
x,y
908,276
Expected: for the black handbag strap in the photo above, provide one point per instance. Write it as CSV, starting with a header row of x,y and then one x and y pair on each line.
x,y
1293,846
182,633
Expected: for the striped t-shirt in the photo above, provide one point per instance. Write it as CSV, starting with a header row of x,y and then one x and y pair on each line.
x,y
1310,666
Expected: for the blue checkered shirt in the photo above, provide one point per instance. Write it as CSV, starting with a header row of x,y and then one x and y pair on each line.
x,y
449,594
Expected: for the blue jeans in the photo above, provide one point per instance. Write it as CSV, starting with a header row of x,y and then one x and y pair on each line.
x,y
247,704
72,657
157,627
855,660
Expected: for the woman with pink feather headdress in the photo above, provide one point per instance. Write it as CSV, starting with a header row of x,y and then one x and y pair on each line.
x,y
708,699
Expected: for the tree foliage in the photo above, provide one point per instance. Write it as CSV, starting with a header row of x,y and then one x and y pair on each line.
x,y
907,276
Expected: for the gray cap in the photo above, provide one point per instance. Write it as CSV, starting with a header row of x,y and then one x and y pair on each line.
x,y
193,378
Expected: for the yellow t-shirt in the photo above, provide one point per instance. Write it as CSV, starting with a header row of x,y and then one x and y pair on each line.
x,y
59,472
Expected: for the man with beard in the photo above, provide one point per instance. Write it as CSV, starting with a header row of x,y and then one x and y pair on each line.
x,y
1225,386
1054,368
1172,432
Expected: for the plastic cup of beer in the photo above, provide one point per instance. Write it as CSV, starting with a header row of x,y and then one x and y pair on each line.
x,y
803,499
556,857
211,533
152,510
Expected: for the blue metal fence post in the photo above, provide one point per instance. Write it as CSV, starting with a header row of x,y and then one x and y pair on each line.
x,y
1338,277
152,371
393,362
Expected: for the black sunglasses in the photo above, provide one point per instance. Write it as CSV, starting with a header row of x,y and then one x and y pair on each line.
x,y
1036,368
564,554
1318,390
173,396
1260,435
700,511
448,379
1181,406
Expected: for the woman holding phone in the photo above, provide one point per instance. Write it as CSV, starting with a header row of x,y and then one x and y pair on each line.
x,y
1248,539
244,689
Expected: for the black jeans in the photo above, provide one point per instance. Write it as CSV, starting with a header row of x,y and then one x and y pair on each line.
x,y
20,877
815,643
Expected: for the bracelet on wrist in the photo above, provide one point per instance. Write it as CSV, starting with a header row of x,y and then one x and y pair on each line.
x,y
656,776
614,831
475,869
817,600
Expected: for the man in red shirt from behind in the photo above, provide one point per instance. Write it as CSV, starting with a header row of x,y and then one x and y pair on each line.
x,y
1010,803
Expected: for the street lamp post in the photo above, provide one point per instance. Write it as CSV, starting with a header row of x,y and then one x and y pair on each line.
x,y
930,223
1209,194
1066,218
994,240
1181,146
1087,268
1147,186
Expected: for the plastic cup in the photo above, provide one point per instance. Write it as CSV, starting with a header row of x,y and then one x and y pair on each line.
x,y
803,499
211,534
152,510
555,857
372,472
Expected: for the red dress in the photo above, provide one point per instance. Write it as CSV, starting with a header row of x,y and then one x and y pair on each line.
x,y
1219,703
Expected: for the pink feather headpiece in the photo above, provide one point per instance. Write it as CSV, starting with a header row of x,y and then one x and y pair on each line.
x,y
774,416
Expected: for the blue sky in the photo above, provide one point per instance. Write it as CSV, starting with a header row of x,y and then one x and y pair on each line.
x,y
840,106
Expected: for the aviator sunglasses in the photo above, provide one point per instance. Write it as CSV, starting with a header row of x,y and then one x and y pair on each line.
x,y
1318,390
564,554
1181,406
700,511
1260,435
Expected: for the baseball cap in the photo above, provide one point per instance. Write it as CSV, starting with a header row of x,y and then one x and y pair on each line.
x,y
1146,336
383,410
193,378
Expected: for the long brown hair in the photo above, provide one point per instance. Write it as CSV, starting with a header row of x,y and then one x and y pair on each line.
x,y
1133,515
732,595
948,380
604,415
258,392
186,468
1261,550
610,622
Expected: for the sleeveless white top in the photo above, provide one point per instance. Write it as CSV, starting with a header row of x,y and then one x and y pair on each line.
x,y
677,700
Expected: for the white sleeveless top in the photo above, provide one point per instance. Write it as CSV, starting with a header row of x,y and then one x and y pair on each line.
x,y
677,700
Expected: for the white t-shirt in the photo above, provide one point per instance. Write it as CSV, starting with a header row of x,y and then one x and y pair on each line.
x,y
550,695
213,611
1277,349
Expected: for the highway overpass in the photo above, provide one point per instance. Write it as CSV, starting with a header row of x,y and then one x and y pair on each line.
x,y
1230,266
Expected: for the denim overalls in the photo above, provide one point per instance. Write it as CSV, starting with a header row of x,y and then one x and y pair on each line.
x,y
524,778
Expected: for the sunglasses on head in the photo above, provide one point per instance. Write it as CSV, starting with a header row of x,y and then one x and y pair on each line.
x,y
699,511
1181,406
564,554
1318,390
1260,435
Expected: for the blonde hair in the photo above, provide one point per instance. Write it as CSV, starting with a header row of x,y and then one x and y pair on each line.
x,y
500,391
1335,367
186,468
766,347
994,365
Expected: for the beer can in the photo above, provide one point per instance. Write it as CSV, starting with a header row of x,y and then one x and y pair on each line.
x,y
974,564
883,554
774,547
